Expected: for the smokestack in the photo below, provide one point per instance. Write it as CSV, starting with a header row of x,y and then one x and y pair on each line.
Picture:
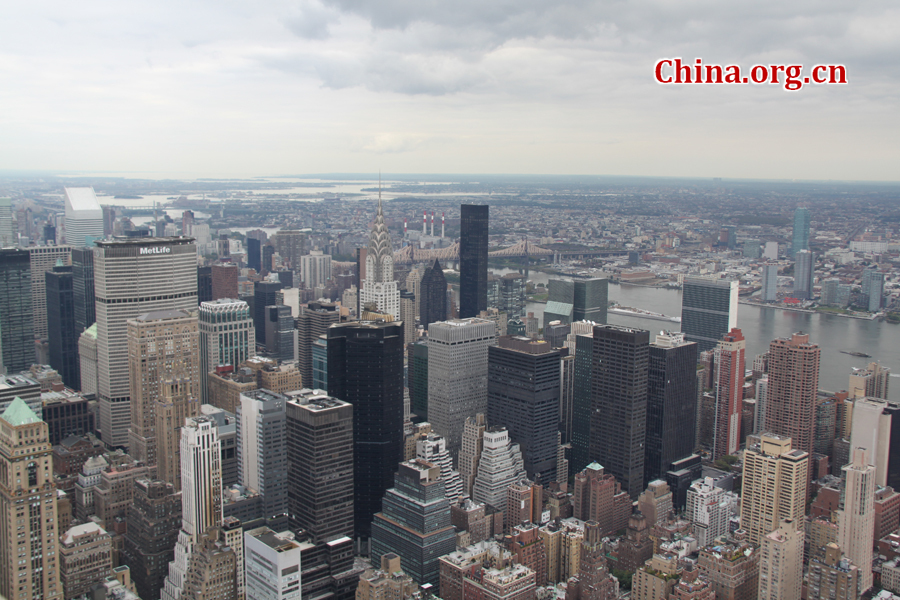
x,y
404,226
432,223
424,222
442,225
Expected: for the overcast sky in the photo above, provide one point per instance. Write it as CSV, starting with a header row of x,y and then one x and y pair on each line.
x,y
232,88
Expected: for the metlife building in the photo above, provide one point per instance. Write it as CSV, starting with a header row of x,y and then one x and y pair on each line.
x,y
132,277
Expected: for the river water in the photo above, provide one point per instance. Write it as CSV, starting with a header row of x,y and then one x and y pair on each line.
x,y
761,325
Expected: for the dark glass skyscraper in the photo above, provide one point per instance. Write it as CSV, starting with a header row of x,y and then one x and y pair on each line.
x,y
582,403
708,310
523,395
365,368
83,288
254,254
578,300
671,404
264,294
417,381
204,285
473,259
16,314
800,238
61,329
619,391
433,295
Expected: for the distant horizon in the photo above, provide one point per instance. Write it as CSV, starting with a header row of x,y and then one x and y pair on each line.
x,y
428,177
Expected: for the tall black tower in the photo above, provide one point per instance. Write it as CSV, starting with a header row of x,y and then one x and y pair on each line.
x,y
619,401
523,394
254,254
365,368
264,294
83,288
433,294
671,404
61,329
473,259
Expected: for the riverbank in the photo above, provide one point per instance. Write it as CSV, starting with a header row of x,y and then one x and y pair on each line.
x,y
810,311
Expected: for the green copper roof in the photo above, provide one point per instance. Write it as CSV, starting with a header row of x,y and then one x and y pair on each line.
x,y
92,331
18,413
595,466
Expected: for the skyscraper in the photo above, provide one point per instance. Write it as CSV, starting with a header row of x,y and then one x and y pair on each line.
x,y
523,393
473,259
313,321
164,369
16,311
800,238
264,294
671,403
708,310
432,448
804,273
201,500
83,288
154,518
224,281
791,393
379,286
279,333
875,291
499,465
315,269
320,465
7,236
28,535
290,244
774,486
254,254
415,522
61,329
262,450
365,368
873,381
273,565
433,295
581,344
133,277
457,375
781,562
204,284
729,363
227,337
84,217
769,282
470,450
621,357
856,521
578,300
43,259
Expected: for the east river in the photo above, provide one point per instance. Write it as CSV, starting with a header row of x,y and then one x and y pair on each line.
x,y
761,325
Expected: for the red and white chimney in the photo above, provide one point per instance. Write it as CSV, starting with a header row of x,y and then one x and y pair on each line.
x,y
432,223
424,222
442,225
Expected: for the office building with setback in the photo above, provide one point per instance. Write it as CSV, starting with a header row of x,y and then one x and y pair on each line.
x,y
132,277
84,217
415,522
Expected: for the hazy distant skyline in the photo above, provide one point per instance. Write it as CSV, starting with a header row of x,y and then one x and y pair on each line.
x,y
233,89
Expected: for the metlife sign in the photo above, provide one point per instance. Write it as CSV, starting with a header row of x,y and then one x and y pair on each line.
x,y
156,250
